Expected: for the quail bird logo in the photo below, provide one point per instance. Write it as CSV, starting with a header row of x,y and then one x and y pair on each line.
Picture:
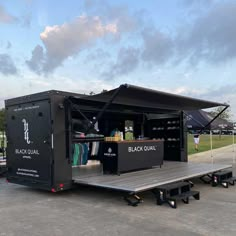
x,y
26,131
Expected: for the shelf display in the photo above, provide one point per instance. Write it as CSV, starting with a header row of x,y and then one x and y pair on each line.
x,y
169,129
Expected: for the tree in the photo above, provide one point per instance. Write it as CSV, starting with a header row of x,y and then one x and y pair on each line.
x,y
2,119
227,115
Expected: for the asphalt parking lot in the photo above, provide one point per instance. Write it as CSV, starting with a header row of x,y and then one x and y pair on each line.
x,y
93,211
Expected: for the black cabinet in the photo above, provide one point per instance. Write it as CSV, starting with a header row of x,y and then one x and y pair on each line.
x,y
126,156
170,129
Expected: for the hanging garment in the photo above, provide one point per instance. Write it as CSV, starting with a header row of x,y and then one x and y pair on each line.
x,y
96,148
85,154
75,155
93,150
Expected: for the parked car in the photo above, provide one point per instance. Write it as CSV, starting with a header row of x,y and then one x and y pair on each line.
x,y
227,132
215,131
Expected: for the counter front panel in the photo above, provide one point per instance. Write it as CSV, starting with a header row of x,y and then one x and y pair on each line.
x,y
131,155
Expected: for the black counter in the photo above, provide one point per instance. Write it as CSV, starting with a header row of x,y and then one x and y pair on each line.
x,y
126,156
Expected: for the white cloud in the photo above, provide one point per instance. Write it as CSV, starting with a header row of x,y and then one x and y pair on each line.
x,y
63,41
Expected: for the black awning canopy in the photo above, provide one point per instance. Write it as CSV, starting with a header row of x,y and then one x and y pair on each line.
x,y
149,100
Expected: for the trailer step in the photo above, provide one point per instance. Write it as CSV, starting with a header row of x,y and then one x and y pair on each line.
x,y
223,178
133,199
170,193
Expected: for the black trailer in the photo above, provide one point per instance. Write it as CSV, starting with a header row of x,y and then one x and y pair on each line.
x,y
45,131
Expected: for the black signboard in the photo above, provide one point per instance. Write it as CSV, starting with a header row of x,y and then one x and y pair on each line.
x,y
29,143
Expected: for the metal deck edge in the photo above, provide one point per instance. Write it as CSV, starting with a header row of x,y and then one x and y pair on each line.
x,y
136,190
105,186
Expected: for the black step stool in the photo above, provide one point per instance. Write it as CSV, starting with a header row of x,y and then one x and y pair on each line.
x,y
170,193
223,178
133,199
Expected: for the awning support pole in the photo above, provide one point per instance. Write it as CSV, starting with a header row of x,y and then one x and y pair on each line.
x,y
80,112
117,91
212,158
4,147
233,147
226,106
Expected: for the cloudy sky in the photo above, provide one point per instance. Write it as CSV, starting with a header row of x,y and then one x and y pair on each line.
x,y
185,47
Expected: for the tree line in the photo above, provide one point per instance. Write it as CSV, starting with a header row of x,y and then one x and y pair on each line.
x,y
2,119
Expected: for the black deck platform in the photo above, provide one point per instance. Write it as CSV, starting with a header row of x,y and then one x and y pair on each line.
x,y
142,180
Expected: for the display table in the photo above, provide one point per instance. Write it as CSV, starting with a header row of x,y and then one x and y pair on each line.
x,y
126,156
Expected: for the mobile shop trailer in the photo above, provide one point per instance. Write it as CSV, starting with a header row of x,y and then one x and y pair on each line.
x,y
59,139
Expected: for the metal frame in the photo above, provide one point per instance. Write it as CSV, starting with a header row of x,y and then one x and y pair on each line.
x,y
109,102
226,106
